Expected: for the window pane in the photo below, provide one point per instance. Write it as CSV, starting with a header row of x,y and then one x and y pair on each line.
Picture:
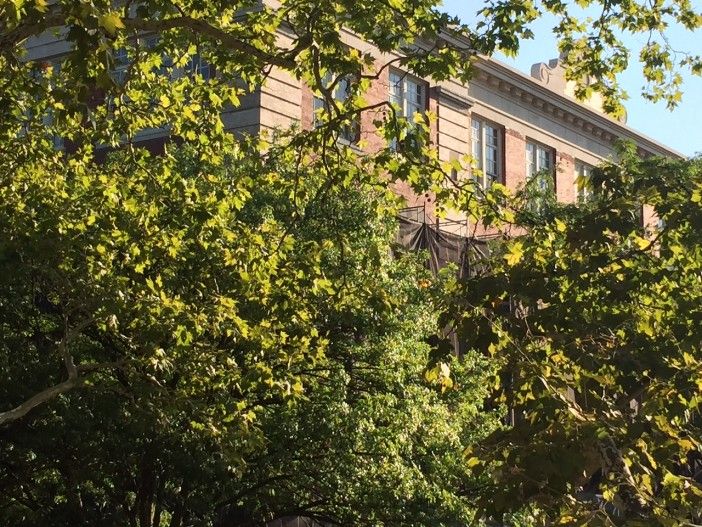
x,y
395,82
545,159
413,109
198,66
491,136
491,162
530,159
491,154
415,95
396,90
342,90
583,184
121,63
477,143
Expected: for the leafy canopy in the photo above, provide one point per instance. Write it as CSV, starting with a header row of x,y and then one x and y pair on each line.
x,y
599,352
175,313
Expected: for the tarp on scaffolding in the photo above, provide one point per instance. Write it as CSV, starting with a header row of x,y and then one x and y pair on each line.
x,y
442,247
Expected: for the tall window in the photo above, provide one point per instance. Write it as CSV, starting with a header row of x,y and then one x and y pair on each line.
x,y
539,163
120,66
540,175
47,117
486,151
583,183
408,95
341,90
197,66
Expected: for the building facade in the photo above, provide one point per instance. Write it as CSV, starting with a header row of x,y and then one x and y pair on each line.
x,y
512,124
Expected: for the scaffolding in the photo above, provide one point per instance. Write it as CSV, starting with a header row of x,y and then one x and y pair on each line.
x,y
445,241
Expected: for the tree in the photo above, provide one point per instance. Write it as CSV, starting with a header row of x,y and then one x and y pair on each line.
x,y
167,297
288,380
599,352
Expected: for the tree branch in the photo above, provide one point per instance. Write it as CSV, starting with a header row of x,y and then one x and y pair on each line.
x,y
283,58
38,399
55,17
73,380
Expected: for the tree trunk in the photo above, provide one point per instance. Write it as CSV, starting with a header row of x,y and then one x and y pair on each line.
x,y
159,502
179,512
147,485
627,492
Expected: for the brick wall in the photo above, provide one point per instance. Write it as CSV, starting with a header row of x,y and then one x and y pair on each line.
x,y
376,94
450,133
565,178
306,107
515,159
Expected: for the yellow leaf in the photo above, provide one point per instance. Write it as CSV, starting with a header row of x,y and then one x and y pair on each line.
x,y
516,251
111,22
695,489
418,118
472,462
560,225
642,243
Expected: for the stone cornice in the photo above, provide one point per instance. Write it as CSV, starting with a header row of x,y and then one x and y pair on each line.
x,y
451,99
522,88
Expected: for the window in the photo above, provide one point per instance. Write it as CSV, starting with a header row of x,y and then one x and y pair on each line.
x,y
540,175
341,89
583,183
197,66
43,70
539,164
539,158
166,69
120,66
486,151
408,95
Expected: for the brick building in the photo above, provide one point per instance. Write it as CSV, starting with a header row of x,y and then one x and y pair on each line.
x,y
513,124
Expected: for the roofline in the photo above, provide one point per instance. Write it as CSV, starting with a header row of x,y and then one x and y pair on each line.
x,y
572,105
514,76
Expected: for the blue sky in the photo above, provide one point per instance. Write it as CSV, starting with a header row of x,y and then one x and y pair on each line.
x,y
680,129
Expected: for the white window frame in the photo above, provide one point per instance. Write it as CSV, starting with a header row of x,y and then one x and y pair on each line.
x,y
120,66
401,87
196,65
407,93
341,92
583,181
536,153
486,147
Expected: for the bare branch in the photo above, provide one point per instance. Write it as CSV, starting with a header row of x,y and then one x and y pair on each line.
x,y
74,378
39,399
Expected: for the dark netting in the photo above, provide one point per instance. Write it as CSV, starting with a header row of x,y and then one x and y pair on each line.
x,y
441,245
295,521
233,517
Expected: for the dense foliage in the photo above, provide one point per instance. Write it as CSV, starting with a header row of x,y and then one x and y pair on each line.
x,y
218,333
595,321
242,342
